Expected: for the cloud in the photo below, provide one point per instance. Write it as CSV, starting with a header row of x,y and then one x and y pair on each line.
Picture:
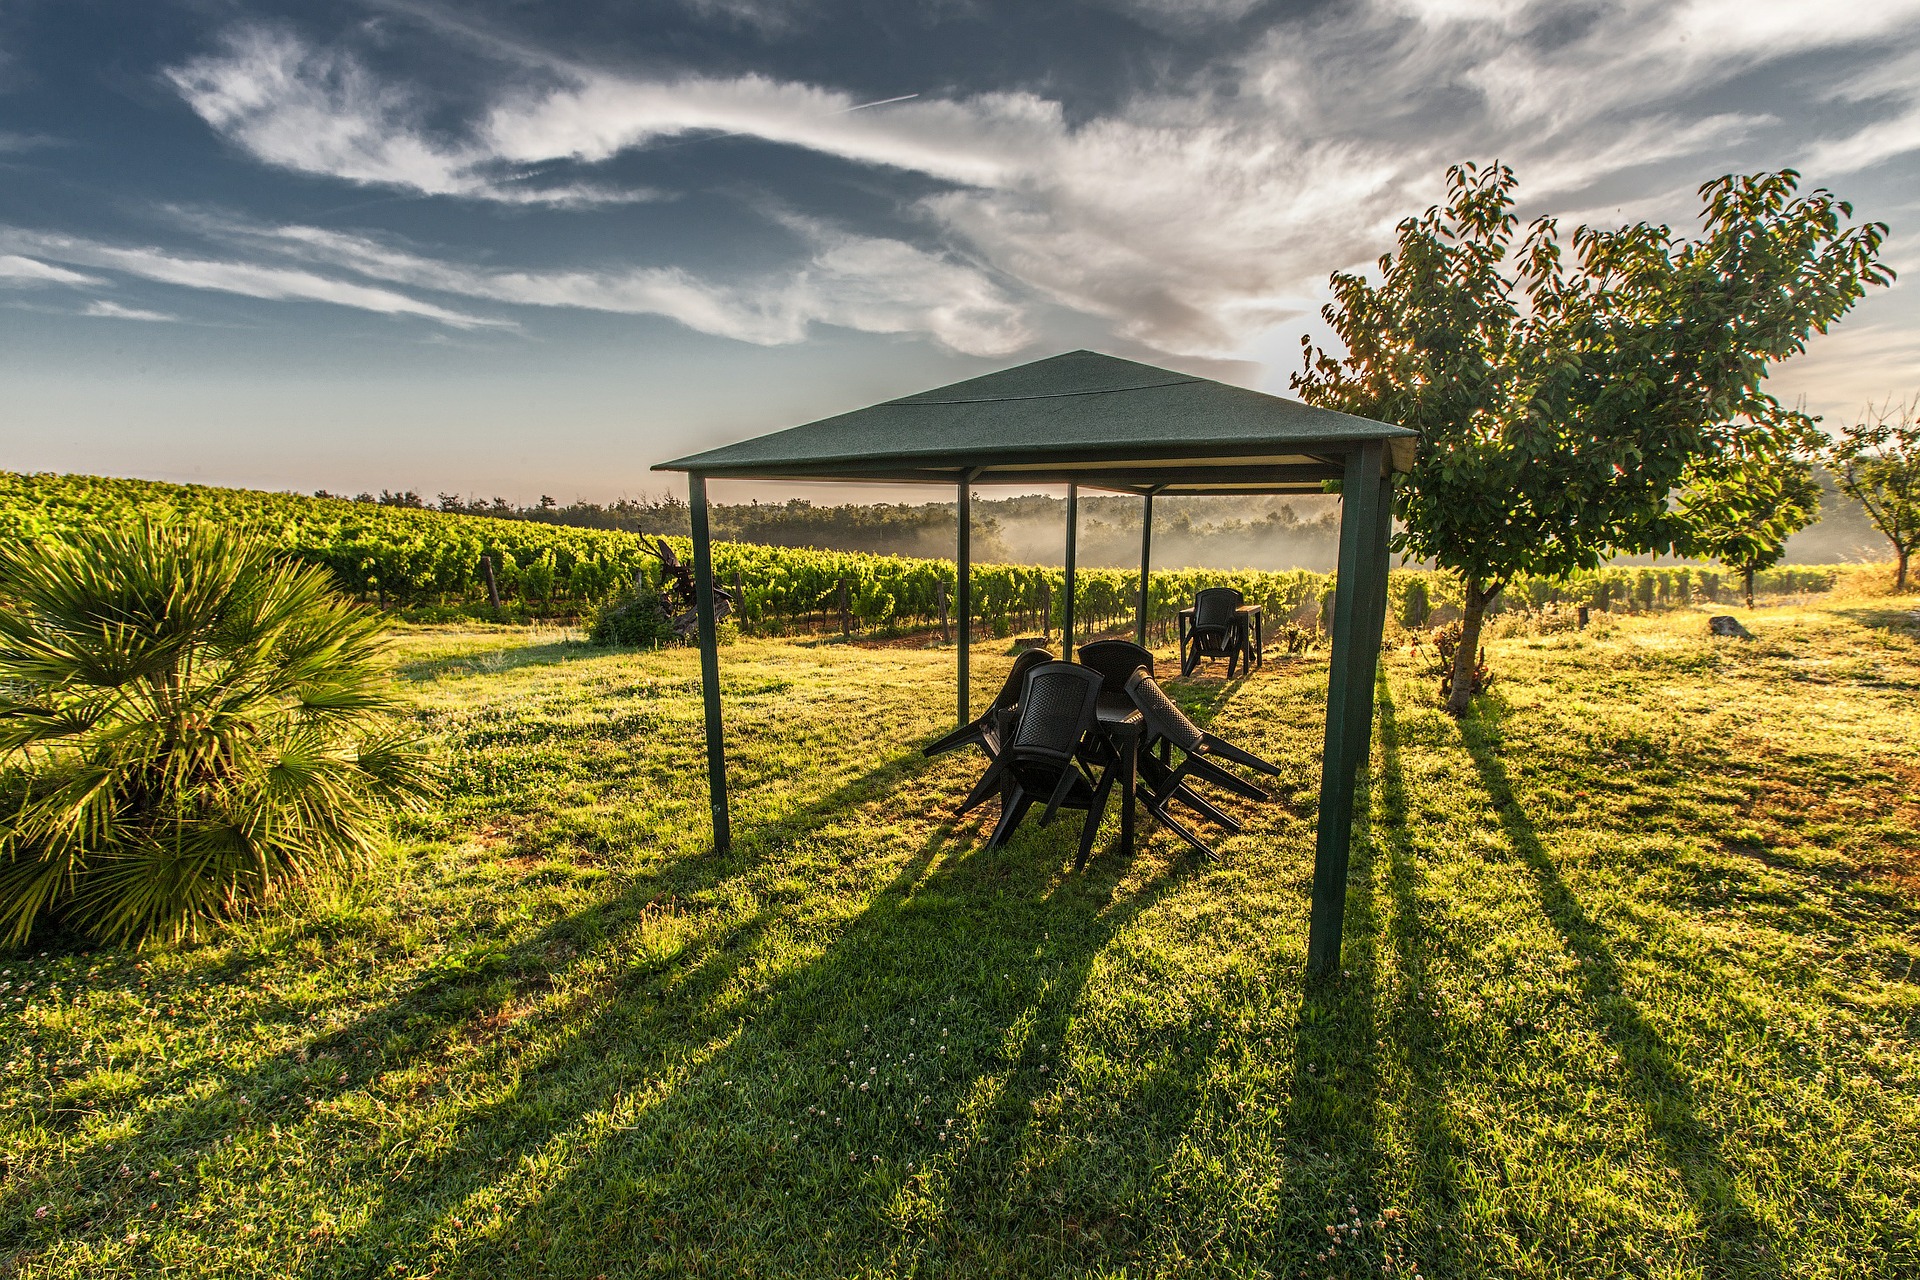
x,y
322,112
16,270
247,279
13,142
1188,218
870,284
114,311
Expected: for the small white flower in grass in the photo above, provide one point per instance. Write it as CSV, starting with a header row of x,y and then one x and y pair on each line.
x,y
42,1211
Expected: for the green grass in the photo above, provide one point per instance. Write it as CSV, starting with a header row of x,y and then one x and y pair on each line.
x,y
1632,989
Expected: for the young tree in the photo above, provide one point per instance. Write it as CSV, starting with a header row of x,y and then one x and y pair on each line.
x,y
1562,404
1741,509
1876,462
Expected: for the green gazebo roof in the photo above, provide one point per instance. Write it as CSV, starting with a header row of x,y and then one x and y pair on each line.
x,y
1084,417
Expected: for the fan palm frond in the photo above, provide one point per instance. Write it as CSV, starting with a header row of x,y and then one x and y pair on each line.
x,y
186,724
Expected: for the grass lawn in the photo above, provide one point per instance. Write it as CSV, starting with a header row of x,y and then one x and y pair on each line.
x,y
1632,988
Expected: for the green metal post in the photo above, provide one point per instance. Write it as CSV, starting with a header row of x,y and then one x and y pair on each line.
x,y
1146,564
1349,700
1073,540
1368,669
709,661
963,561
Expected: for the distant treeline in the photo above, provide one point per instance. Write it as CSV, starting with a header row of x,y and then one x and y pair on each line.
x,y
1268,533
1241,533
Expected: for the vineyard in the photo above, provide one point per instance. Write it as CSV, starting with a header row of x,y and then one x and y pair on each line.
x,y
408,558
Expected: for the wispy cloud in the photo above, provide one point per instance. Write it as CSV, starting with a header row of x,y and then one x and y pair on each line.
x,y
13,142
17,270
870,284
247,279
1188,218
114,311
320,111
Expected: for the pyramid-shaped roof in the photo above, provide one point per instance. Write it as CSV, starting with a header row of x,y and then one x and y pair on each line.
x,y
1081,416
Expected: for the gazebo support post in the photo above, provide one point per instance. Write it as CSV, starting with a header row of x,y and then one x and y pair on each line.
x,y
709,660
1073,541
1376,617
1356,651
963,563
1146,561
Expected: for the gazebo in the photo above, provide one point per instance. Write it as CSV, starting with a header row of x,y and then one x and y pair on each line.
x,y
1096,421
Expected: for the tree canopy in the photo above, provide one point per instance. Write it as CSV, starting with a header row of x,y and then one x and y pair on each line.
x,y
1876,462
1740,507
1563,397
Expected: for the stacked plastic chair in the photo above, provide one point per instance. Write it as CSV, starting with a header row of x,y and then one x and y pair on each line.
x,y
1164,782
1045,760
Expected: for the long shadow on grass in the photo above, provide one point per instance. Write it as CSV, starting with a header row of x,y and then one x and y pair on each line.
x,y
463,1009
1333,1106
884,1094
1734,1236
1346,1027
1434,1147
490,662
1898,620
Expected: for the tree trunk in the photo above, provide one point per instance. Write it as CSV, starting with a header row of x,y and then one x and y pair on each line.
x,y
1748,577
1466,657
1900,573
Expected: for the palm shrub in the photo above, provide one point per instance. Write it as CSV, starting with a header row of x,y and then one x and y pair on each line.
x,y
187,724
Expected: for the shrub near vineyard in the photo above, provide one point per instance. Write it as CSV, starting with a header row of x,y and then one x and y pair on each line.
x,y
404,557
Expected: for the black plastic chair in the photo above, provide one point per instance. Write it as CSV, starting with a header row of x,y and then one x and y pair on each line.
x,y
1116,661
1162,782
1044,759
1216,631
986,729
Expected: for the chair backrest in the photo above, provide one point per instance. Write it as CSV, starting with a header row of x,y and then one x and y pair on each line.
x,y
1056,709
1214,606
1163,717
1115,660
1017,678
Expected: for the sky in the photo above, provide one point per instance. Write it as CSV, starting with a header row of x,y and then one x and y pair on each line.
x,y
507,247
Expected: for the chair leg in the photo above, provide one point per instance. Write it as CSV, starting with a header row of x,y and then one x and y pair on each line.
x,y
994,779
953,741
1096,810
1179,828
1200,804
1060,789
1201,767
1013,807
1227,751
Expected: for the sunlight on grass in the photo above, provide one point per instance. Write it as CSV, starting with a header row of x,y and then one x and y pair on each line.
x,y
1630,990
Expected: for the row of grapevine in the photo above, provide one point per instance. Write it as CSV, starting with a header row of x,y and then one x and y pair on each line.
x,y
399,556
